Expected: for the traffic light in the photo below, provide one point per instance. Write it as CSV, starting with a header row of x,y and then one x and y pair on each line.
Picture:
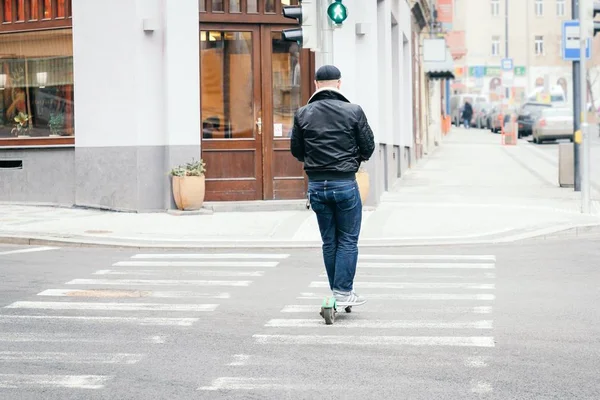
x,y
306,14
590,8
337,12
595,24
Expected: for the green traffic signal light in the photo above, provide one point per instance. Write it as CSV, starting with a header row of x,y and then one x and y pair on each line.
x,y
337,12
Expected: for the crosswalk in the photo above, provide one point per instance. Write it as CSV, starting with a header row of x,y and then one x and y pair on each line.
x,y
42,337
428,302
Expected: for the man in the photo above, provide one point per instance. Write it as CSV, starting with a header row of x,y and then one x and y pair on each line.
x,y
467,114
332,137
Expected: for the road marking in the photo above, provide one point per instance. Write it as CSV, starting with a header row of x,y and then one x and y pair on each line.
x,y
227,383
18,381
228,256
40,305
309,308
412,285
47,337
480,387
32,250
156,282
148,272
71,358
380,324
410,296
412,275
239,360
428,257
476,341
191,264
427,265
108,293
147,321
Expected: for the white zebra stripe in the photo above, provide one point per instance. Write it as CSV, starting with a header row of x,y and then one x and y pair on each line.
x,y
216,256
413,285
19,381
380,324
40,305
328,340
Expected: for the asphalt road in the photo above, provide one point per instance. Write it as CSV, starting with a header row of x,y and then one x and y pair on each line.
x,y
516,321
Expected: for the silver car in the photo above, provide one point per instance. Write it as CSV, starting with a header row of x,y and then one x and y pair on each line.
x,y
553,123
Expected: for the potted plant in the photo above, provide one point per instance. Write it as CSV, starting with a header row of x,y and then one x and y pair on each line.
x,y
22,127
56,124
189,185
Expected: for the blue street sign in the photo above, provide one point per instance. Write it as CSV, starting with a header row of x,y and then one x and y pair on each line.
x,y
570,42
507,64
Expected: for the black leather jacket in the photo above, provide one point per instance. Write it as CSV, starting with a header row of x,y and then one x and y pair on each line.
x,y
331,136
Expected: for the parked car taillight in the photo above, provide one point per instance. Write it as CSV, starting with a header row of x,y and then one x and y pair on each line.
x,y
542,122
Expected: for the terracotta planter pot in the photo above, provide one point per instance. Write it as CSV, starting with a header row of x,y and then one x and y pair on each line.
x,y
362,178
188,192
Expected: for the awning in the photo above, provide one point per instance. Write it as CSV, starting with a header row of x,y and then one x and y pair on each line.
x,y
440,69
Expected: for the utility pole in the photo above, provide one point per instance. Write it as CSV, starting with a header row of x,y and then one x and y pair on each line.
x,y
576,106
506,42
584,24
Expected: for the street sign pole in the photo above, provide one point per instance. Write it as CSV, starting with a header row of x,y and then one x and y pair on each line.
x,y
585,149
576,107
326,54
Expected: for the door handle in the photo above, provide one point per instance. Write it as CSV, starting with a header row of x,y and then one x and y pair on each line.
x,y
259,125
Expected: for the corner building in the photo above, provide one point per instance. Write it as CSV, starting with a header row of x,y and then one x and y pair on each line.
x,y
120,91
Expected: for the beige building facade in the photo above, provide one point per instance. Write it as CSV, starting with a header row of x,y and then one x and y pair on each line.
x,y
534,45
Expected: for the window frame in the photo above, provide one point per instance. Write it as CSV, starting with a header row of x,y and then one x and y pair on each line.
x,y
41,141
538,43
495,4
539,8
496,45
561,8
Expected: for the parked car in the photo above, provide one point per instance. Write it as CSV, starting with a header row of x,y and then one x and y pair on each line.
x,y
480,111
553,123
527,115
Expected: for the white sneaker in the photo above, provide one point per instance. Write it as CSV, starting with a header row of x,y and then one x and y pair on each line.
x,y
349,299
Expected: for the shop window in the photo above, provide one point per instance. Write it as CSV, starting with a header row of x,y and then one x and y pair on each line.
x,y
36,85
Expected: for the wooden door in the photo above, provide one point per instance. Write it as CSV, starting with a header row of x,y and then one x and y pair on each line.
x,y
286,87
231,111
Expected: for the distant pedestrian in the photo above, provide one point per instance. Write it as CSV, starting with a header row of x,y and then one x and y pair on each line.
x,y
331,136
467,114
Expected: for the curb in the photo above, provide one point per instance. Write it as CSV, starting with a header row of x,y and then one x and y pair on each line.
x,y
129,243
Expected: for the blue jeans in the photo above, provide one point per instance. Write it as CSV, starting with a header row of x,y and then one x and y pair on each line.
x,y
338,207
467,123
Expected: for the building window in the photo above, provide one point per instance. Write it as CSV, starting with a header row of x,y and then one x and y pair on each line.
x,y
539,45
560,8
539,8
495,8
495,45
36,85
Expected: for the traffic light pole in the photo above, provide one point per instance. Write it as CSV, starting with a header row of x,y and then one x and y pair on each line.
x,y
585,148
326,38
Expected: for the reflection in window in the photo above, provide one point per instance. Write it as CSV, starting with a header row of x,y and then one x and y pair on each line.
x,y
235,6
287,96
217,5
20,10
7,11
36,84
61,9
47,9
227,76
33,6
252,6
270,6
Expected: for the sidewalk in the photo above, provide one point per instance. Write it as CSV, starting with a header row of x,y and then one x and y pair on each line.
x,y
470,190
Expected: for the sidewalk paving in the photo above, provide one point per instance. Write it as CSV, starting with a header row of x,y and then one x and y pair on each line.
x,y
470,190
